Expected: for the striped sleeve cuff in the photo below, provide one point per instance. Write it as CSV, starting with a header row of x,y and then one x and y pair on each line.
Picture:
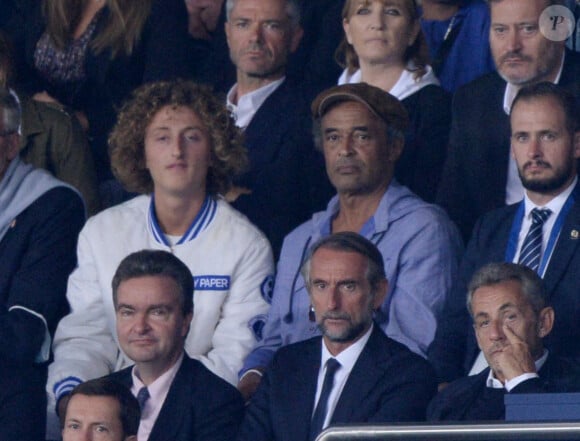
x,y
65,386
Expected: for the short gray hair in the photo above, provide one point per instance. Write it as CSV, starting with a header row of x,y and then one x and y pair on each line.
x,y
494,273
354,243
11,111
292,9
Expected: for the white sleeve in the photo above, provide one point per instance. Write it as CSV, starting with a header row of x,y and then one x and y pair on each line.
x,y
243,312
84,347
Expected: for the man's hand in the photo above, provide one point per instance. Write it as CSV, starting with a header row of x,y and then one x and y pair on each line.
x,y
249,383
514,359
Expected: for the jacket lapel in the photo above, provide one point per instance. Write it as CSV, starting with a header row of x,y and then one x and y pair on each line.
x,y
366,372
566,246
168,423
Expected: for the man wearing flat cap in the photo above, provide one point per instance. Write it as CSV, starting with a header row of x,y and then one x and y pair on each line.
x,y
359,129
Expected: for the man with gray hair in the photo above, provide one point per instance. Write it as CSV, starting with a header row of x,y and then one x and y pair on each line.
x,y
40,219
353,373
272,110
508,304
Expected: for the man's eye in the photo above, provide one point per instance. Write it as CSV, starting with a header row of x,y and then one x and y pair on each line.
x,y
548,137
101,429
392,11
363,11
73,426
349,287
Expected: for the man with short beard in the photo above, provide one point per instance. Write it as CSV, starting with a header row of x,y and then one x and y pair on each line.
x,y
353,373
479,175
542,231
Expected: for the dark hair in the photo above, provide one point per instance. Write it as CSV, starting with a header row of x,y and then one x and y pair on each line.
x,y
565,99
127,140
418,52
292,9
494,273
349,242
549,2
156,263
130,414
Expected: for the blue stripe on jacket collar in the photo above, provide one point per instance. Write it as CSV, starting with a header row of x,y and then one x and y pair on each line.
x,y
202,220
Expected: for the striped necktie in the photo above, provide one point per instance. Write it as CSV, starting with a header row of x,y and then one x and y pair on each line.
x,y
531,251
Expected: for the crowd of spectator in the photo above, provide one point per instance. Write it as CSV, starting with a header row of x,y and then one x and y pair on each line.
x,y
333,211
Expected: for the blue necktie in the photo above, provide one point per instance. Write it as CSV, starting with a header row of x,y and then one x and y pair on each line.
x,y
142,397
531,251
322,407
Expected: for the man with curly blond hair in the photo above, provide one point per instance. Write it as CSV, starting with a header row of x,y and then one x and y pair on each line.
x,y
175,143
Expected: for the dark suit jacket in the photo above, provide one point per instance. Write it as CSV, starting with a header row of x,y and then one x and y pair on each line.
x,y
37,254
388,383
475,174
468,399
280,149
199,405
454,348
312,62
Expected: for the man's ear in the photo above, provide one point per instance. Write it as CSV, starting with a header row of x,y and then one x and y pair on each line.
x,y
545,321
380,293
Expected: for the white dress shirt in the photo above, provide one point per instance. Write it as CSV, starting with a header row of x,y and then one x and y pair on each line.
x,y
158,391
248,104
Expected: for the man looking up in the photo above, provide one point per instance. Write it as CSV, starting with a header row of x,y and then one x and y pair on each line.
x,y
102,410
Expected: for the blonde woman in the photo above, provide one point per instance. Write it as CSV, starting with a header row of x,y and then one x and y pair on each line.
x,y
385,47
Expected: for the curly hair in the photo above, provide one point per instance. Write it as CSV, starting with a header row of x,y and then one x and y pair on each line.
x,y
417,54
127,140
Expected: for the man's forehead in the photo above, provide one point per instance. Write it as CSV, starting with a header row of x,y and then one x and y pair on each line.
x,y
498,295
516,11
345,111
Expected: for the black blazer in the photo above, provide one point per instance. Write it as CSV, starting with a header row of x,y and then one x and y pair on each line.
x,y
280,150
388,383
454,348
199,405
37,254
475,174
468,399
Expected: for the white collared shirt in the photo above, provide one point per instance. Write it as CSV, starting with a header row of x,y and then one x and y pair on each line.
x,y
248,104
347,360
494,383
158,391
514,191
555,205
